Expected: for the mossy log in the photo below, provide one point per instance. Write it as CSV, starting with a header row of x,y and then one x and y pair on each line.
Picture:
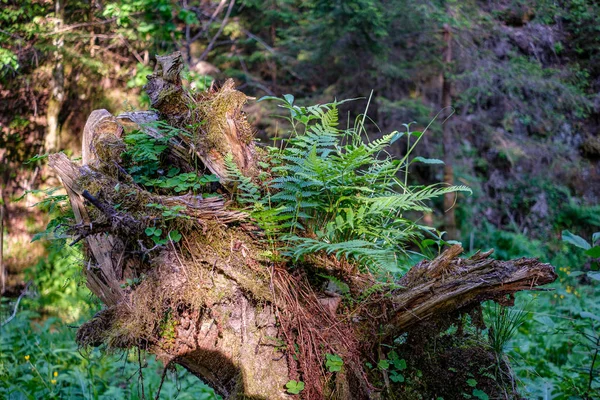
x,y
215,302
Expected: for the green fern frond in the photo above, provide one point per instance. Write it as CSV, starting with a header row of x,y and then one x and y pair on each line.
x,y
410,201
247,191
331,183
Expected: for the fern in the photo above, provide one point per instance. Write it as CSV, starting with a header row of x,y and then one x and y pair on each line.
x,y
329,191
247,191
272,220
368,254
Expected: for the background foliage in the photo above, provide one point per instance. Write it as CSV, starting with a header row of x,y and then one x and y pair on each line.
x,y
525,83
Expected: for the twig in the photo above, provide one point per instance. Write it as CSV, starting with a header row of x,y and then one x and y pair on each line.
x,y
162,380
207,25
86,24
259,41
214,39
141,373
14,314
12,35
106,209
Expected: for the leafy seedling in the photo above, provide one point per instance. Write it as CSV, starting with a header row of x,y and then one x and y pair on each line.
x,y
294,387
334,362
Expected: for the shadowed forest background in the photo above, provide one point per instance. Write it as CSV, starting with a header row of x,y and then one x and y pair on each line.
x,y
516,83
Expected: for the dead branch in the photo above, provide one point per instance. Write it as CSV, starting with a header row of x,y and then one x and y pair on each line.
x,y
450,284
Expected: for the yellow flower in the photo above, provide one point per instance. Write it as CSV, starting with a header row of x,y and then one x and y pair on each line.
x,y
562,296
53,381
55,374
27,358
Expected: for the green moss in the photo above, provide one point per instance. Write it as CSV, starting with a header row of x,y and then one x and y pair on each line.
x,y
167,327
214,109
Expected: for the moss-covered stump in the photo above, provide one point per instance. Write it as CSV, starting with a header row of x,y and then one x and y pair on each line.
x,y
185,275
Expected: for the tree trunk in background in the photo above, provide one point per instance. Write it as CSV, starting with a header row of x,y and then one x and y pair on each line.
x,y
2,269
57,84
447,140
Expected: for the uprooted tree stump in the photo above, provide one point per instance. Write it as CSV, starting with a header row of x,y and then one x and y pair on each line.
x,y
242,322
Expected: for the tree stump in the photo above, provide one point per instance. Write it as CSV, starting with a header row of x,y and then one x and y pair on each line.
x,y
212,301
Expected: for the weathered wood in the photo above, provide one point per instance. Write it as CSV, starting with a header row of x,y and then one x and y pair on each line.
x,y
450,284
241,340
226,133
105,283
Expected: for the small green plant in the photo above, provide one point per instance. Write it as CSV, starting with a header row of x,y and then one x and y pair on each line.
x,y
503,323
181,182
334,362
477,393
394,365
145,156
174,236
155,234
169,212
348,193
592,249
129,282
167,327
294,387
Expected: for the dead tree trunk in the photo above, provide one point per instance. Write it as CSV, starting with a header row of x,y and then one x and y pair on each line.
x,y
213,302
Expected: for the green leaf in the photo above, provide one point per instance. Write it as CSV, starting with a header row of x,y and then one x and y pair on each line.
x,y
334,362
175,236
38,236
383,364
586,314
594,252
427,160
396,377
149,231
472,382
36,158
289,98
294,387
400,364
269,98
575,240
480,394
594,275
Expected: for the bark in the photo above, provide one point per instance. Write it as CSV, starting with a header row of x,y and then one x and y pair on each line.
x,y
57,84
448,142
2,268
243,323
